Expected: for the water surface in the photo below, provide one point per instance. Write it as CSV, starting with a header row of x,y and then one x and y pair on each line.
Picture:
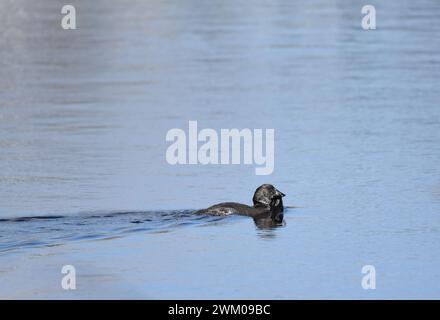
x,y
84,114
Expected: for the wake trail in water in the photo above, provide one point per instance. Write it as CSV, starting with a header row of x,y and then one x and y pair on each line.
x,y
39,231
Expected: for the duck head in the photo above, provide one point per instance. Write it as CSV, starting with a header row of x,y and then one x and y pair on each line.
x,y
267,196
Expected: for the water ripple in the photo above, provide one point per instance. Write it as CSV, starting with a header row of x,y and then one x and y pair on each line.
x,y
38,231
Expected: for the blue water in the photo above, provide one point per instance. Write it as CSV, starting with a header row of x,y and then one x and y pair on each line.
x,y
84,115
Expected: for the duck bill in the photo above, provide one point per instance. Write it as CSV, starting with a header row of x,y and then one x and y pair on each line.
x,y
279,193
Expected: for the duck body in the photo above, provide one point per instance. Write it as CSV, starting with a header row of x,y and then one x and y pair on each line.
x,y
228,208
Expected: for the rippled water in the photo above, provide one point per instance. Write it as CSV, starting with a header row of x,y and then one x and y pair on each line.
x,y
40,231
84,114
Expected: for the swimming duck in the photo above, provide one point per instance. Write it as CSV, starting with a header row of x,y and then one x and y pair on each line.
x,y
268,203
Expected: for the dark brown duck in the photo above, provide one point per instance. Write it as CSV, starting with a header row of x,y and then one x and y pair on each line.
x,y
268,203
